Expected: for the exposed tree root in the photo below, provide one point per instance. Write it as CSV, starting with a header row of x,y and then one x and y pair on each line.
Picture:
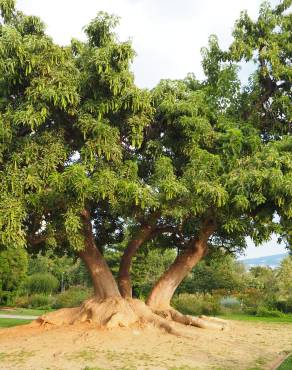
x,y
60,317
125,312
110,313
203,322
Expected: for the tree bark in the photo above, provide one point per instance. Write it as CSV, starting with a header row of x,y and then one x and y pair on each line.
x,y
103,281
124,276
163,290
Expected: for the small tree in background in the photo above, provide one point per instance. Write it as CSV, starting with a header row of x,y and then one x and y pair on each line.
x,y
68,270
284,275
216,273
13,268
44,283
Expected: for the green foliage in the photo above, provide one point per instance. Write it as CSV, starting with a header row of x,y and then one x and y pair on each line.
x,y
13,268
72,297
197,304
266,42
99,31
214,156
7,8
267,289
254,299
78,137
45,125
147,267
67,270
217,272
44,283
40,301
264,312
284,305
284,279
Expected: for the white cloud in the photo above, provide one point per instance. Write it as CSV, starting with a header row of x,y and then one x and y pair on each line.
x,y
167,34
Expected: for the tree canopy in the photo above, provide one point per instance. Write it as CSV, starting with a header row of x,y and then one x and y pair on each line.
x,y
67,114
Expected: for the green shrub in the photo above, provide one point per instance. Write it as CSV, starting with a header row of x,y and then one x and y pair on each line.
x,y
253,299
7,298
284,305
250,310
13,268
44,283
21,301
72,297
40,301
265,312
197,304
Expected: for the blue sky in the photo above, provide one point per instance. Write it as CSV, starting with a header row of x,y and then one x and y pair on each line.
x,y
266,249
166,34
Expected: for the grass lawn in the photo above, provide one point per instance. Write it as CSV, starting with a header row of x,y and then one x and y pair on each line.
x,y
7,323
243,317
286,365
23,311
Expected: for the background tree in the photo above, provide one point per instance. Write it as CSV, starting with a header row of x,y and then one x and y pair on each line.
x,y
13,268
284,275
215,273
68,270
148,265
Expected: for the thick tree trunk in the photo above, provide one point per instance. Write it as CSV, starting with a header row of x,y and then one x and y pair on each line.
x,y
124,277
108,309
103,281
162,292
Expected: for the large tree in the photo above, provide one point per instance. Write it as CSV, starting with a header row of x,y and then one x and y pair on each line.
x,y
85,155
219,154
69,118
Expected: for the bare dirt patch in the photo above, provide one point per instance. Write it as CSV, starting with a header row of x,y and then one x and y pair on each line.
x,y
244,346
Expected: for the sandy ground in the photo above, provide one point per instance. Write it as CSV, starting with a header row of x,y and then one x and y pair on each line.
x,y
244,346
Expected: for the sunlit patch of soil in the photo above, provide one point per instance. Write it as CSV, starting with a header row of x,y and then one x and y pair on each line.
x,y
244,346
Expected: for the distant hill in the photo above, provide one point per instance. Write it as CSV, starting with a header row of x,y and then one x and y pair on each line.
x,y
271,261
